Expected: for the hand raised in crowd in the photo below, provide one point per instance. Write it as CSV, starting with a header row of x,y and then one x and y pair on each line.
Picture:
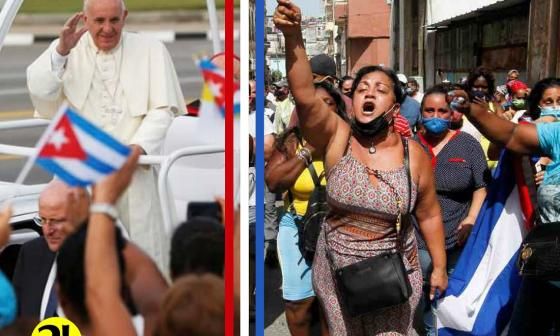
x,y
70,35
287,17
478,105
499,97
459,101
110,189
77,210
506,115
5,215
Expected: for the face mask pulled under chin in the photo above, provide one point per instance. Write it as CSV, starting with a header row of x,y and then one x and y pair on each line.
x,y
375,127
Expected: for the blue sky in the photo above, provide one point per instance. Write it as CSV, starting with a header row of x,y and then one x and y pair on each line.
x,y
308,7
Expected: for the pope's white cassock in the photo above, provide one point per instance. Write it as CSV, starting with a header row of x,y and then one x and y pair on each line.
x,y
133,93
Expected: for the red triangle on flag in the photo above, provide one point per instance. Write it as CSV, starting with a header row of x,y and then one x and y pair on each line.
x,y
219,82
62,142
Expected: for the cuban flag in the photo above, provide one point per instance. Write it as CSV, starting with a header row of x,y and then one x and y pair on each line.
x,y
214,88
78,152
483,287
212,107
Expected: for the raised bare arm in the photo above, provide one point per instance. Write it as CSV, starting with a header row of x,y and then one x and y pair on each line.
x,y
318,124
520,138
107,311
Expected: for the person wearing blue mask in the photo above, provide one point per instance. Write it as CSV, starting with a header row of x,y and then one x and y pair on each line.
x,y
461,175
544,99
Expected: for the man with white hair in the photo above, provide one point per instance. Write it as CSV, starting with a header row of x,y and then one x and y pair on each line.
x,y
124,83
35,270
61,210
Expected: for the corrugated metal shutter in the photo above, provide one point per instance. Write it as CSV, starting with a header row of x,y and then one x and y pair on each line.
x,y
443,10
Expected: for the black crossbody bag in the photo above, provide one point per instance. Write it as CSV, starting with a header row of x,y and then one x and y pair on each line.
x,y
376,282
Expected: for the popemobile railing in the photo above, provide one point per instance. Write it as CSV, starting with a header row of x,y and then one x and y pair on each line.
x,y
166,162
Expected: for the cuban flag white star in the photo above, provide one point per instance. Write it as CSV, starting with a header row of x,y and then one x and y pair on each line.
x,y
216,88
58,139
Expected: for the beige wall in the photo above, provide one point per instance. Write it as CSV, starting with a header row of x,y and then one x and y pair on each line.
x,y
368,33
368,18
367,51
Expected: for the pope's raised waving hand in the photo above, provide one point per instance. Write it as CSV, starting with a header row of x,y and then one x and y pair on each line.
x,y
70,34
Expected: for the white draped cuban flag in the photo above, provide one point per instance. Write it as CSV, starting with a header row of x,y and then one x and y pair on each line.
x,y
483,287
77,152
213,102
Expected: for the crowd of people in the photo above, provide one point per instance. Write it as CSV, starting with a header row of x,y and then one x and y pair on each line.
x,y
59,273
405,171
104,260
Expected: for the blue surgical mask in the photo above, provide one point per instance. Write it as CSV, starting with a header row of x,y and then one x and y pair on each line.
x,y
435,125
553,111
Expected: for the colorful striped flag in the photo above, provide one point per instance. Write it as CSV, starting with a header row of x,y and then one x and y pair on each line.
x,y
214,87
483,287
212,107
78,152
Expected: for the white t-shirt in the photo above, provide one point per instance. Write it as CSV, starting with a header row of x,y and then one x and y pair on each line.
x,y
270,96
418,97
268,130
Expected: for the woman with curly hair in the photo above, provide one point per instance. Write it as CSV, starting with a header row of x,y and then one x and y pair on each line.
x,y
289,170
368,188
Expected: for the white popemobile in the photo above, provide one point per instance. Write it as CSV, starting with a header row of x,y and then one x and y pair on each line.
x,y
185,160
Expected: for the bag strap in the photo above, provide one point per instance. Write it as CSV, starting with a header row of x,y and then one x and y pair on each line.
x,y
407,167
316,178
409,182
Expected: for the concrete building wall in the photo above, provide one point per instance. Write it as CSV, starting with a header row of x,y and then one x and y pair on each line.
x,y
367,33
366,51
368,18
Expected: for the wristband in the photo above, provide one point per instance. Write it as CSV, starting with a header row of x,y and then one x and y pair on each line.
x,y
106,209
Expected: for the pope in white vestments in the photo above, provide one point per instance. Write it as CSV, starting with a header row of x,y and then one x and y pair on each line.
x,y
126,84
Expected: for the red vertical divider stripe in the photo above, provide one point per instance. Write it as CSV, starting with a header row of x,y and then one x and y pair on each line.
x,y
229,171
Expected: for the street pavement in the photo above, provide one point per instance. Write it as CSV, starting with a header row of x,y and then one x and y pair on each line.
x,y
274,317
